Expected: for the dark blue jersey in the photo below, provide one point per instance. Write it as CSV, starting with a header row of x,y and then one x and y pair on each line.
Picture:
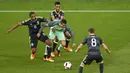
x,y
93,42
57,15
34,26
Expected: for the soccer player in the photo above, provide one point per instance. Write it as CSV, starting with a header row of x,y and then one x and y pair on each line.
x,y
68,34
68,37
56,30
33,24
58,14
93,42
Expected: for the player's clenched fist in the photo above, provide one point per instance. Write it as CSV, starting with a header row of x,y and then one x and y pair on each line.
x,y
38,35
8,31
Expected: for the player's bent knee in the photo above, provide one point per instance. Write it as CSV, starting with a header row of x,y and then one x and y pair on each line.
x,y
63,45
48,42
68,36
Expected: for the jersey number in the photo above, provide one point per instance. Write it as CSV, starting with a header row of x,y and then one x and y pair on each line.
x,y
93,42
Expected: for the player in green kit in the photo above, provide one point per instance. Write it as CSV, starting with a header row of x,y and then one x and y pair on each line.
x,y
57,29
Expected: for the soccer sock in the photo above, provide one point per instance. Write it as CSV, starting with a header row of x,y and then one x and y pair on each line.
x,y
67,43
58,51
101,67
54,45
33,51
59,48
49,49
45,54
80,69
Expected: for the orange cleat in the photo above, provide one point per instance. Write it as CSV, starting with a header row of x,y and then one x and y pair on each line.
x,y
53,54
68,49
50,60
32,56
45,59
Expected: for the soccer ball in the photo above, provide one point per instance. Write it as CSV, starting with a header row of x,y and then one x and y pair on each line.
x,y
67,65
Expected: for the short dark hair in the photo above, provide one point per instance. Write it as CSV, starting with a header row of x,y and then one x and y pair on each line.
x,y
64,21
31,13
91,30
57,3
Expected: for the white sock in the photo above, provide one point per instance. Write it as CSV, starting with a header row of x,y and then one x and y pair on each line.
x,y
60,47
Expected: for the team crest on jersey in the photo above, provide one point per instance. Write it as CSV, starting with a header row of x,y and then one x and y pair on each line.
x,y
59,15
35,26
37,22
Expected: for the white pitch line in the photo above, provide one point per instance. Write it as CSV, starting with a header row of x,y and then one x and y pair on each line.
x,y
76,11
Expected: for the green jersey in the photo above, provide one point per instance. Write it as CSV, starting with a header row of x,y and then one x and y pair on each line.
x,y
54,24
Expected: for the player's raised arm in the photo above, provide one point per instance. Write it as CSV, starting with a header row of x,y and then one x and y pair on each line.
x,y
106,48
14,27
